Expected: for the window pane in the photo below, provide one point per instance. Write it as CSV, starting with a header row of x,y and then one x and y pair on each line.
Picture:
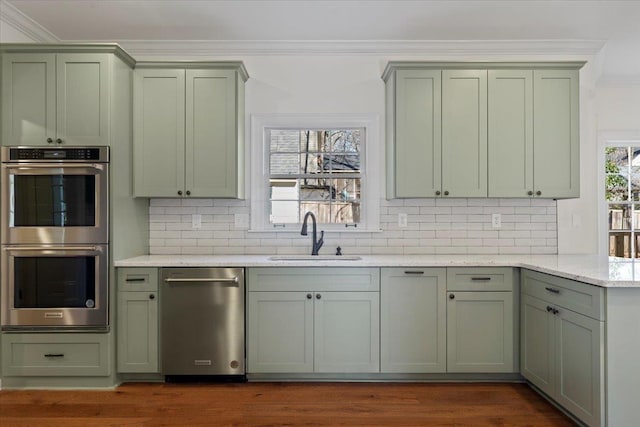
x,y
284,189
617,188
619,217
284,164
316,189
313,163
284,140
617,159
284,212
345,141
344,163
620,244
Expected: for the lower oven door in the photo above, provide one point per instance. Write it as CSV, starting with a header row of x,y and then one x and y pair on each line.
x,y
54,287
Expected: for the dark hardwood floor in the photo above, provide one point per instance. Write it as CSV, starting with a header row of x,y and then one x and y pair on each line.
x,y
284,404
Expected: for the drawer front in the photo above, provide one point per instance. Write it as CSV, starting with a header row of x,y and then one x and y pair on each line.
x,y
313,279
575,296
138,279
55,355
480,279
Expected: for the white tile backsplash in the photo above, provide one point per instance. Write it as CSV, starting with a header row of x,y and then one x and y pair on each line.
x,y
434,226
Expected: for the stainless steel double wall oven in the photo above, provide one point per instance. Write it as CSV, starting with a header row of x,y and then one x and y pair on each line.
x,y
55,237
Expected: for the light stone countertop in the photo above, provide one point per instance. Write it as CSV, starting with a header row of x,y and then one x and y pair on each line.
x,y
592,269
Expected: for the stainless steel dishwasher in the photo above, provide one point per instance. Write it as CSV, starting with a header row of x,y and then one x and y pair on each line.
x,y
202,326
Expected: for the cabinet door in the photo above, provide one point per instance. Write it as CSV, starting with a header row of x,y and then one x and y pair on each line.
x,y
137,332
537,344
158,133
480,332
464,133
510,97
580,365
280,332
211,138
556,159
82,102
347,332
413,320
28,98
418,139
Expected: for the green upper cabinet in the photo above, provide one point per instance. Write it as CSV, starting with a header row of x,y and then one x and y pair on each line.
x,y
534,133
471,129
55,98
188,130
464,133
417,155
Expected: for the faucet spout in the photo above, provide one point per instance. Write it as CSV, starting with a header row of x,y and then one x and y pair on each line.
x,y
316,244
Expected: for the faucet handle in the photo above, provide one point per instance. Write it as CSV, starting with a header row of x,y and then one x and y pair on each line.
x,y
338,251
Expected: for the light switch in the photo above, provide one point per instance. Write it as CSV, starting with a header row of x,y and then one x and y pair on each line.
x,y
402,220
196,221
496,220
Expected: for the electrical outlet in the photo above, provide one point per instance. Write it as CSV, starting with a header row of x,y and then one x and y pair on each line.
x,y
196,221
402,220
496,220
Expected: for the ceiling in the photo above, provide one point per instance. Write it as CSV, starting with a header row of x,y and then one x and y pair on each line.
x,y
614,24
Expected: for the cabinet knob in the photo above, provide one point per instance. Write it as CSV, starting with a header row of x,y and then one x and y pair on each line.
x,y
152,296
438,193
49,141
452,296
188,193
58,141
529,193
318,296
538,193
446,193
179,192
309,296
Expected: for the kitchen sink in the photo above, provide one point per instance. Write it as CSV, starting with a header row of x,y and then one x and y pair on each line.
x,y
315,258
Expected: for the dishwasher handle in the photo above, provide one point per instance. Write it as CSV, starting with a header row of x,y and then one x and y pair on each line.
x,y
202,280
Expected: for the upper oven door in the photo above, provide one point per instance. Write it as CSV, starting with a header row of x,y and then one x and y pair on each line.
x,y
54,203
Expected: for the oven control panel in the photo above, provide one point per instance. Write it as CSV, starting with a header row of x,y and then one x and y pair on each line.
x,y
71,154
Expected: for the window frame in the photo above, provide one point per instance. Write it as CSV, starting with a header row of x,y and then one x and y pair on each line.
x,y
609,139
261,124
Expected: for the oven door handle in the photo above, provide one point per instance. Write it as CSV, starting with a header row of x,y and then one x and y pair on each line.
x,y
54,248
22,167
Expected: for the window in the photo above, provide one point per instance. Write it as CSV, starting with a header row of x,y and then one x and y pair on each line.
x,y
622,195
314,164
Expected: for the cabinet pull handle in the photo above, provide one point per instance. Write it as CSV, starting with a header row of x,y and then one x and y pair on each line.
x,y
452,296
438,193
413,272
481,279
552,310
553,290
135,279
179,192
49,141
538,193
202,280
529,193
549,308
152,296
58,141
188,193
309,296
318,296
446,193
54,355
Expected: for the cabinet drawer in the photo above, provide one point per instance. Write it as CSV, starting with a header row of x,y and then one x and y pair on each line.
x,y
480,279
138,279
55,354
575,296
314,279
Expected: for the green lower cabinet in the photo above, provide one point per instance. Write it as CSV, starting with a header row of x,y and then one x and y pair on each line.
x,y
137,324
55,354
137,320
480,332
563,350
306,332
413,320
280,332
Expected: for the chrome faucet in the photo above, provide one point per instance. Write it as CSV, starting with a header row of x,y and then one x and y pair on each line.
x,y
317,244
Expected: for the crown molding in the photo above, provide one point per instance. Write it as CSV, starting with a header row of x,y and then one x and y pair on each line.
x,y
10,15
442,48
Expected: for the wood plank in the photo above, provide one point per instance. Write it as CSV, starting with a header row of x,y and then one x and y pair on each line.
x,y
459,404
